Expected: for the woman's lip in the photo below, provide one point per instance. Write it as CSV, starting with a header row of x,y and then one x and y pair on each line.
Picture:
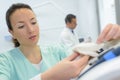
x,y
32,37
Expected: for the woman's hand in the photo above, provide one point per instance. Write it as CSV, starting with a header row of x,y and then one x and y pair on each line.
x,y
111,31
66,69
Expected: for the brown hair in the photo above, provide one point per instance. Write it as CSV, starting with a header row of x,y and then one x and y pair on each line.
x,y
9,12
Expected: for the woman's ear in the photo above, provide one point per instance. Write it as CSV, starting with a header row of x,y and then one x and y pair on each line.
x,y
12,33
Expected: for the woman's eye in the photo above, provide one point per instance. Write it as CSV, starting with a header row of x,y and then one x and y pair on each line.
x,y
34,23
21,26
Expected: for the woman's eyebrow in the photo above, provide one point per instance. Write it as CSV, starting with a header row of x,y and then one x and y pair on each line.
x,y
32,18
20,21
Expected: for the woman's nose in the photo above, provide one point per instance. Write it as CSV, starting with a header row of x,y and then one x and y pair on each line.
x,y
30,28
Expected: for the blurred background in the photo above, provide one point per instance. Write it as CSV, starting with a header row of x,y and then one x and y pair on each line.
x,y
92,17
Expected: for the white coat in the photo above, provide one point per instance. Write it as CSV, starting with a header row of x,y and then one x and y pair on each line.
x,y
68,38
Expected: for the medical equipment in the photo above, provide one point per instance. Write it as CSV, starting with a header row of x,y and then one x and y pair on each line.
x,y
112,53
98,52
109,70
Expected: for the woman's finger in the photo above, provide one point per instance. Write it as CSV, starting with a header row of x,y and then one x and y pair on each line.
x,y
112,32
82,61
104,33
72,57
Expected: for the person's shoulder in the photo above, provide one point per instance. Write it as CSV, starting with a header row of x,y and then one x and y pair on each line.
x,y
6,60
66,30
53,47
66,33
8,54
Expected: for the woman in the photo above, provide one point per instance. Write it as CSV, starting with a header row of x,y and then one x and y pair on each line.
x,y
28,59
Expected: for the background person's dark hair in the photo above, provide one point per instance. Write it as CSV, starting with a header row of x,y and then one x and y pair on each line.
x,y
9,12
69,18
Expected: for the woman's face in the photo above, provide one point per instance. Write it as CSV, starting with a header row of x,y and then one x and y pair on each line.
x,y
25,27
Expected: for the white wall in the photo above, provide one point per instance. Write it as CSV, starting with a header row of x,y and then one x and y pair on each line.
x,y
87,17
107,12
50,15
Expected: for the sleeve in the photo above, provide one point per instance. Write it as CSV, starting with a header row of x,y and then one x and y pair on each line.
x,y
4,69
63,50
56,50
37,77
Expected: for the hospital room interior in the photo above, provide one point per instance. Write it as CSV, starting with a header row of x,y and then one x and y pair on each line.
x,y
92,16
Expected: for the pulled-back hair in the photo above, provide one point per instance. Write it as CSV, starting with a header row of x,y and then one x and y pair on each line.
x,y
9,12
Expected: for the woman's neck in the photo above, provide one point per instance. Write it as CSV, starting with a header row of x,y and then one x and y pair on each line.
x,y
32,53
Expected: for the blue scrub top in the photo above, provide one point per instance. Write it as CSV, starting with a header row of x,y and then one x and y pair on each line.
x,y
15,66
